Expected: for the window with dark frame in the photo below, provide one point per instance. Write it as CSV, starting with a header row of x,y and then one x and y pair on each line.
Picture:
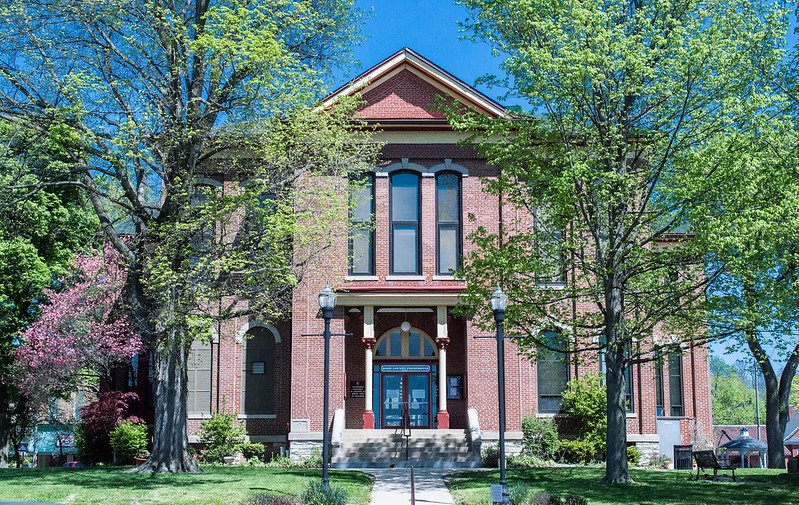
x,y
552,362
549,248
448,222
405,209
660,400
455,387
361,231
676,385
629,398
199,378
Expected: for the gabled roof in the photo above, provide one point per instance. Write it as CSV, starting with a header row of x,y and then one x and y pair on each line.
x,y
792,431
406,84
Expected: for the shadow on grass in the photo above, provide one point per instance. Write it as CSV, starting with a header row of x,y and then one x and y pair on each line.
x,y
107,478
649,488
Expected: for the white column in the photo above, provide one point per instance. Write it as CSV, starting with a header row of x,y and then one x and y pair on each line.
x,y
442,336
368,336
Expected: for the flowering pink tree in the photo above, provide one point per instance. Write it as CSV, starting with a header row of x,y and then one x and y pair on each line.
x,y
81,328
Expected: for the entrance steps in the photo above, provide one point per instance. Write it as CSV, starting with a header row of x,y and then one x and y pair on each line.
x,y
390,449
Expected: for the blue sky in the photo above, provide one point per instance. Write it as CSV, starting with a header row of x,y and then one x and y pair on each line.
x,y
428,27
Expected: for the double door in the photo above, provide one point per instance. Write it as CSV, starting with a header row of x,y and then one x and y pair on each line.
x,y
406,395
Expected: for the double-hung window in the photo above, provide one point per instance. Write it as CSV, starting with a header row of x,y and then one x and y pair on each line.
x,y
553,371
676,385
404,224
362,236
448,222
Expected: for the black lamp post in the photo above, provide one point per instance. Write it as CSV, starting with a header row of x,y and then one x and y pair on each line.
x,y
327,302
499,302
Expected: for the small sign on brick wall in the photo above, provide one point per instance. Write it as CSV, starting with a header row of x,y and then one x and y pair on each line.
x,y
357,389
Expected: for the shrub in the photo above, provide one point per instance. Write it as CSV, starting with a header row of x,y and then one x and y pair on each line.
x,y
633,455
220,433
540,437
575,500
577,451
517,494
544,498
251,450
97,420
280,461
129,439
316,495
490,455
314,460
525,461
585,401
269,499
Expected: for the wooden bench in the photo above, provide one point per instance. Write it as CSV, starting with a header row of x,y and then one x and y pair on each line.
x,y
706,460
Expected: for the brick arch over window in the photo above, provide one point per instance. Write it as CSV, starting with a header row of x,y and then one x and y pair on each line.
x,y
260,342
396,344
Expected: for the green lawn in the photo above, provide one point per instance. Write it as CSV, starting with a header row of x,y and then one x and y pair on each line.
x,y
216,485
755,487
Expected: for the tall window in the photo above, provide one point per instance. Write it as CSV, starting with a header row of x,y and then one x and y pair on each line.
x,y
199,368
258,390
362,237
405,208
675,385
448,222
553,372
202,241
628,374
549,249
660,400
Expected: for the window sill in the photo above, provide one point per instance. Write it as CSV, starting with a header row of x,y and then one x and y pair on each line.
x,y
405,277
547,415
198,416
257,416
445,278
361,278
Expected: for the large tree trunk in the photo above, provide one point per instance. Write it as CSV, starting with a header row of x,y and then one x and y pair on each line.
x,y
775,427
5,424
616,470
170,451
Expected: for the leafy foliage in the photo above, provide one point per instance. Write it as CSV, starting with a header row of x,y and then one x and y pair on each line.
x,y
633,455
220,433
269,499
577,451
129,439
97,420
316,495
733,400
540,437
251,450
489,453
585,401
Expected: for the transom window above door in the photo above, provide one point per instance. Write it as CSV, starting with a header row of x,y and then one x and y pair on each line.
x,y
396,344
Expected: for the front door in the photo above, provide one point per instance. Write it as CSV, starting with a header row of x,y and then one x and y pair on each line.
x,y
406,393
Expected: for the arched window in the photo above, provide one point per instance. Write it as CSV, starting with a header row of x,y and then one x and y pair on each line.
x,y
448,222
361,236
414,344
199,375
553,372
404,224
258,371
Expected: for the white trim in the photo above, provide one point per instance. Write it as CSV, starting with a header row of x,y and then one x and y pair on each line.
x,y
198,416
361,278
257,324
257,416
405,165
446,278
405,277
448,166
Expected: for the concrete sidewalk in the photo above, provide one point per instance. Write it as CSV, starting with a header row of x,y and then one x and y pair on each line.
x,y
393,486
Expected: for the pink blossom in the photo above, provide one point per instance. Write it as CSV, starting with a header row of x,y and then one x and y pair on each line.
x,y
82,327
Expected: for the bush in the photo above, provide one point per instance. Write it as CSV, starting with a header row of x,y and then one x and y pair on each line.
x,y
490,455
585,401
633,455
544,498
314,460
540,438
97,420
269,499
251,450
280,461
220,433
517,494
577,451
525,461
129,439
316,495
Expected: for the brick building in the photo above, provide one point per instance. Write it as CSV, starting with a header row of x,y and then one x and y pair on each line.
x,y
395,299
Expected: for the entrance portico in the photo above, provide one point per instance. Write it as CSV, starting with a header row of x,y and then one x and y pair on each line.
x,y
405,337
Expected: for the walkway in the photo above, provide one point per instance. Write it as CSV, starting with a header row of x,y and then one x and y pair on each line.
x,y
393,486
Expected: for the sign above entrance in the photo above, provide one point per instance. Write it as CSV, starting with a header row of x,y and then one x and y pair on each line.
x,y
405,368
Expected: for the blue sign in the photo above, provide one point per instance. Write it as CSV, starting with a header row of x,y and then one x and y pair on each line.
x,y
405,368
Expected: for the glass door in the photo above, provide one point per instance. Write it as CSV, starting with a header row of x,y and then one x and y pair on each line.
x,y
392,400
418,398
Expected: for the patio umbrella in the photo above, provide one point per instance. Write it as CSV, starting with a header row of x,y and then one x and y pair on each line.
x,y
744,444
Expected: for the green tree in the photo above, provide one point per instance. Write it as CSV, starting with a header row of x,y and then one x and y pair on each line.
x,y
159,97
41,228
631,123
733,399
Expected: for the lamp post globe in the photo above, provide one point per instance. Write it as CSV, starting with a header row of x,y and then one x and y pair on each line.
x,y
327,302
499,301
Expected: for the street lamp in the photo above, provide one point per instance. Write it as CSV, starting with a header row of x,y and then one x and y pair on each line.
x,y
327,302
499,302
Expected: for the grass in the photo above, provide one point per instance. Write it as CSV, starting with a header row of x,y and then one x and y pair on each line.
x,y
216,485
651,487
